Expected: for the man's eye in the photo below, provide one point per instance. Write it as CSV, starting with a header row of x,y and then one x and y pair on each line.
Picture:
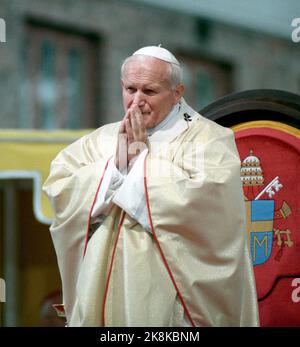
x,y
130,90
150,92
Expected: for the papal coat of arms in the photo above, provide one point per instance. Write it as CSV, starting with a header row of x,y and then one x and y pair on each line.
x,y
262,211
270,166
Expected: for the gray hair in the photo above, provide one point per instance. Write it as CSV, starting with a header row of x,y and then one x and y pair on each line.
x,y
174,74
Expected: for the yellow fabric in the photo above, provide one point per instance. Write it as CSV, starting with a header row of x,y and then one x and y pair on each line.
x,y
33,150
199,220
267,124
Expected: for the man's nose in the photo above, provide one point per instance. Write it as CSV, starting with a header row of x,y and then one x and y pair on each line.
x,y
139,99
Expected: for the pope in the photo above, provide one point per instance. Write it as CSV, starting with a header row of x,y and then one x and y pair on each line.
x,y
149,226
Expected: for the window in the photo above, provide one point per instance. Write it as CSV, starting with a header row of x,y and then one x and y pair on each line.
x,y
59,79
205,80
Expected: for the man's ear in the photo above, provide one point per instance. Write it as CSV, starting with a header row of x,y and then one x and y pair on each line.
x,y
121,84
178,93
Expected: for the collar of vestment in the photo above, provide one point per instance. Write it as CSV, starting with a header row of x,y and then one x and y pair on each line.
x,y
166,120
177,121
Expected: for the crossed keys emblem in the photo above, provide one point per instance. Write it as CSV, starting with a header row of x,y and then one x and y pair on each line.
x,y
261,214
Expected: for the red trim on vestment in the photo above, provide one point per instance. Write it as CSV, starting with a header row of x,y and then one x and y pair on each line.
x,y
160,249
110,268
91,210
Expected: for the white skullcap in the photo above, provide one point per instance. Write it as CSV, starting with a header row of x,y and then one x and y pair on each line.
x,y
157,52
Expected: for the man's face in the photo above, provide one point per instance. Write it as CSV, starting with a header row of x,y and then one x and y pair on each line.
x,y
145,82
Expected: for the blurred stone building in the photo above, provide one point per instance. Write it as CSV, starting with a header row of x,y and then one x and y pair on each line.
x,y
59,66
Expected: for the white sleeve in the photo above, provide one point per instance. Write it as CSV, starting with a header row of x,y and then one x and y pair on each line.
x,y
112,180
131,195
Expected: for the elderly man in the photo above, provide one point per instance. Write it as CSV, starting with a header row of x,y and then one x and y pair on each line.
x,y
149,225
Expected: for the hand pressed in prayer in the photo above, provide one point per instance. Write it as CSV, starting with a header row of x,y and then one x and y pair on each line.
x,y
137,136
132,138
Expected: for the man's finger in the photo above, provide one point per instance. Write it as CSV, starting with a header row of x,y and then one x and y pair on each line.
x,y
122,126
129,131
134,124
121,152
140,122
